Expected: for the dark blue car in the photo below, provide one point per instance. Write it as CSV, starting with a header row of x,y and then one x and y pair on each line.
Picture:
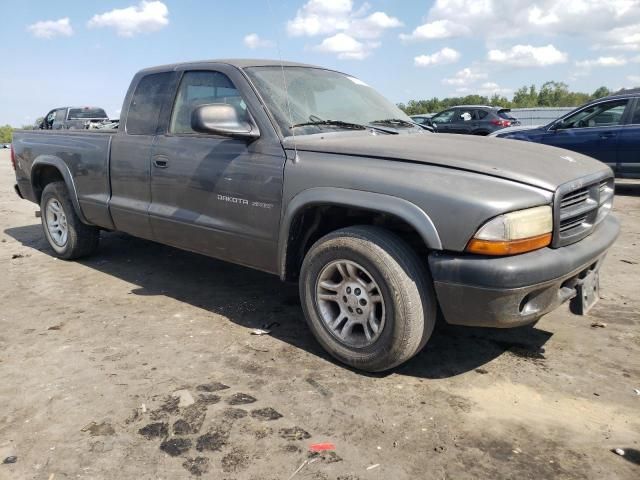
x,y
607,129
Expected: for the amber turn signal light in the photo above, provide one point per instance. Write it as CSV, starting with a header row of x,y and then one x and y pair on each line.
x,y
508,247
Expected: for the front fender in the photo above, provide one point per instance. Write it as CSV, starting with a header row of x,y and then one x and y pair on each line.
x,y
377,202
49,160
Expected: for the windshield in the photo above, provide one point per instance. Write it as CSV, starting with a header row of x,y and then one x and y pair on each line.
x,y
317,95
78,113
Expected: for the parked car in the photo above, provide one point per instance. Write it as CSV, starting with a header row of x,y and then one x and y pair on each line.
x,y
323,181
472,120
607,129
72,118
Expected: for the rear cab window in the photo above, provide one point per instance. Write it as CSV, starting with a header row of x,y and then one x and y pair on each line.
x,y
151,93
87,112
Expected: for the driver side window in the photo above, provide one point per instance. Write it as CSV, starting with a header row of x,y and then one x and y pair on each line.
x,y
201,88
444,117
601,115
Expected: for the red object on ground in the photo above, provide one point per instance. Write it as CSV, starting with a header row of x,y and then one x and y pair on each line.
x,y
321,447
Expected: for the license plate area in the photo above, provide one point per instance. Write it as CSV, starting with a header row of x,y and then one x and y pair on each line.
x,y
588,293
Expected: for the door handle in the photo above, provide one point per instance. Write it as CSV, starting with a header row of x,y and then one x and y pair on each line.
x,y
160,163
607,135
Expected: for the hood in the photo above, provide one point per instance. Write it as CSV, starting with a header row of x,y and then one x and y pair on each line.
x,y
517,128
525,162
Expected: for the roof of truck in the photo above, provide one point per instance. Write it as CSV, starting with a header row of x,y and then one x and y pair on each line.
x,y
236,62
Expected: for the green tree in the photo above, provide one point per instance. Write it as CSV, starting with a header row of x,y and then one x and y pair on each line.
x,y
6,133
551,94
601,92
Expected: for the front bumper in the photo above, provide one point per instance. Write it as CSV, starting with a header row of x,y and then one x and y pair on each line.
x,y
511,291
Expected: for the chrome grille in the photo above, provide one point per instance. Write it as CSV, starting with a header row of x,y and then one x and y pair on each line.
x,y
578,209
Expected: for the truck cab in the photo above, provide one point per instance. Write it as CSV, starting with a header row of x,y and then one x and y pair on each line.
x,y
310,174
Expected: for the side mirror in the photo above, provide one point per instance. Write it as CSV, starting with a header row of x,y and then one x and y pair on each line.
x,y
222,119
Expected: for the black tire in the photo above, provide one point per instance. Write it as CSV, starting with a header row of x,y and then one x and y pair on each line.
x,y
81,239
404,284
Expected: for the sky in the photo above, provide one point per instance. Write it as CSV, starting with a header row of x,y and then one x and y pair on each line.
x,y
78,52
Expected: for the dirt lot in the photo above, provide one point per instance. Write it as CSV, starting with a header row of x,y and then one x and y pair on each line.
x,y
92,351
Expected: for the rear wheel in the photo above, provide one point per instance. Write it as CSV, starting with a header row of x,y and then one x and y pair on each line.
x,y
367,297
67,235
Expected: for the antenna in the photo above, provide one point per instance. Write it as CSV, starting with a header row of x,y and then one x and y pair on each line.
x,y
284,83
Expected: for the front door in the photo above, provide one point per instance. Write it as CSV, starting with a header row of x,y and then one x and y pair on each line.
x,y
592,131
442,121
629,146
212,194
131,155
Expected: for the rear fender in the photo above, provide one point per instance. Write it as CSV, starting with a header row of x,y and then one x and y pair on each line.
x,y
58,164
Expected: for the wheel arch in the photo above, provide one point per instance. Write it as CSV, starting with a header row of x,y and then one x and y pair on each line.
x,y
46,169
375,203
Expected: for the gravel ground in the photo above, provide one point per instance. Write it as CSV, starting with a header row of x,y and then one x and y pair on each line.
x,y
139,363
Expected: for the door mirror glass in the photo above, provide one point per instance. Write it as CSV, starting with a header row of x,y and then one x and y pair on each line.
x,y
222,119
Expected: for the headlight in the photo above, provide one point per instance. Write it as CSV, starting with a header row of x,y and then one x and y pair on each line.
x,y
515,232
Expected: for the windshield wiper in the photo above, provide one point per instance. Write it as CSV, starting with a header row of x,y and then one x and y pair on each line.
x,y
331,123
393,121
340,123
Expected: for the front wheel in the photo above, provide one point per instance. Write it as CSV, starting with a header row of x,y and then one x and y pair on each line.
x,y
367,297
67,235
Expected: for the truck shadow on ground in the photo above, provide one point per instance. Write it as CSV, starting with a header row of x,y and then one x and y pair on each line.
x,y
628,189
254,299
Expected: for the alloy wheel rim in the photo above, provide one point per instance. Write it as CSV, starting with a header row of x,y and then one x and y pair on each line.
x,y
350,303
56,222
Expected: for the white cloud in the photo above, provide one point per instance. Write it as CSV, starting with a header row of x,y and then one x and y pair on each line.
x,y
254,41
528,56
465,77
602,62
634,79
491,88
538,17
436,30
623,38
487,89
346,47
145,17
51,28
351,30
496,19
442,57
373,26
318,17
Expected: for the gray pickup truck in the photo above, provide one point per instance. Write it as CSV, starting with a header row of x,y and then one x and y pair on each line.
x,y
309,174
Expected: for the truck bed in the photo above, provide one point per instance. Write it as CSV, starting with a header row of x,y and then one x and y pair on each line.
x,y
81,155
